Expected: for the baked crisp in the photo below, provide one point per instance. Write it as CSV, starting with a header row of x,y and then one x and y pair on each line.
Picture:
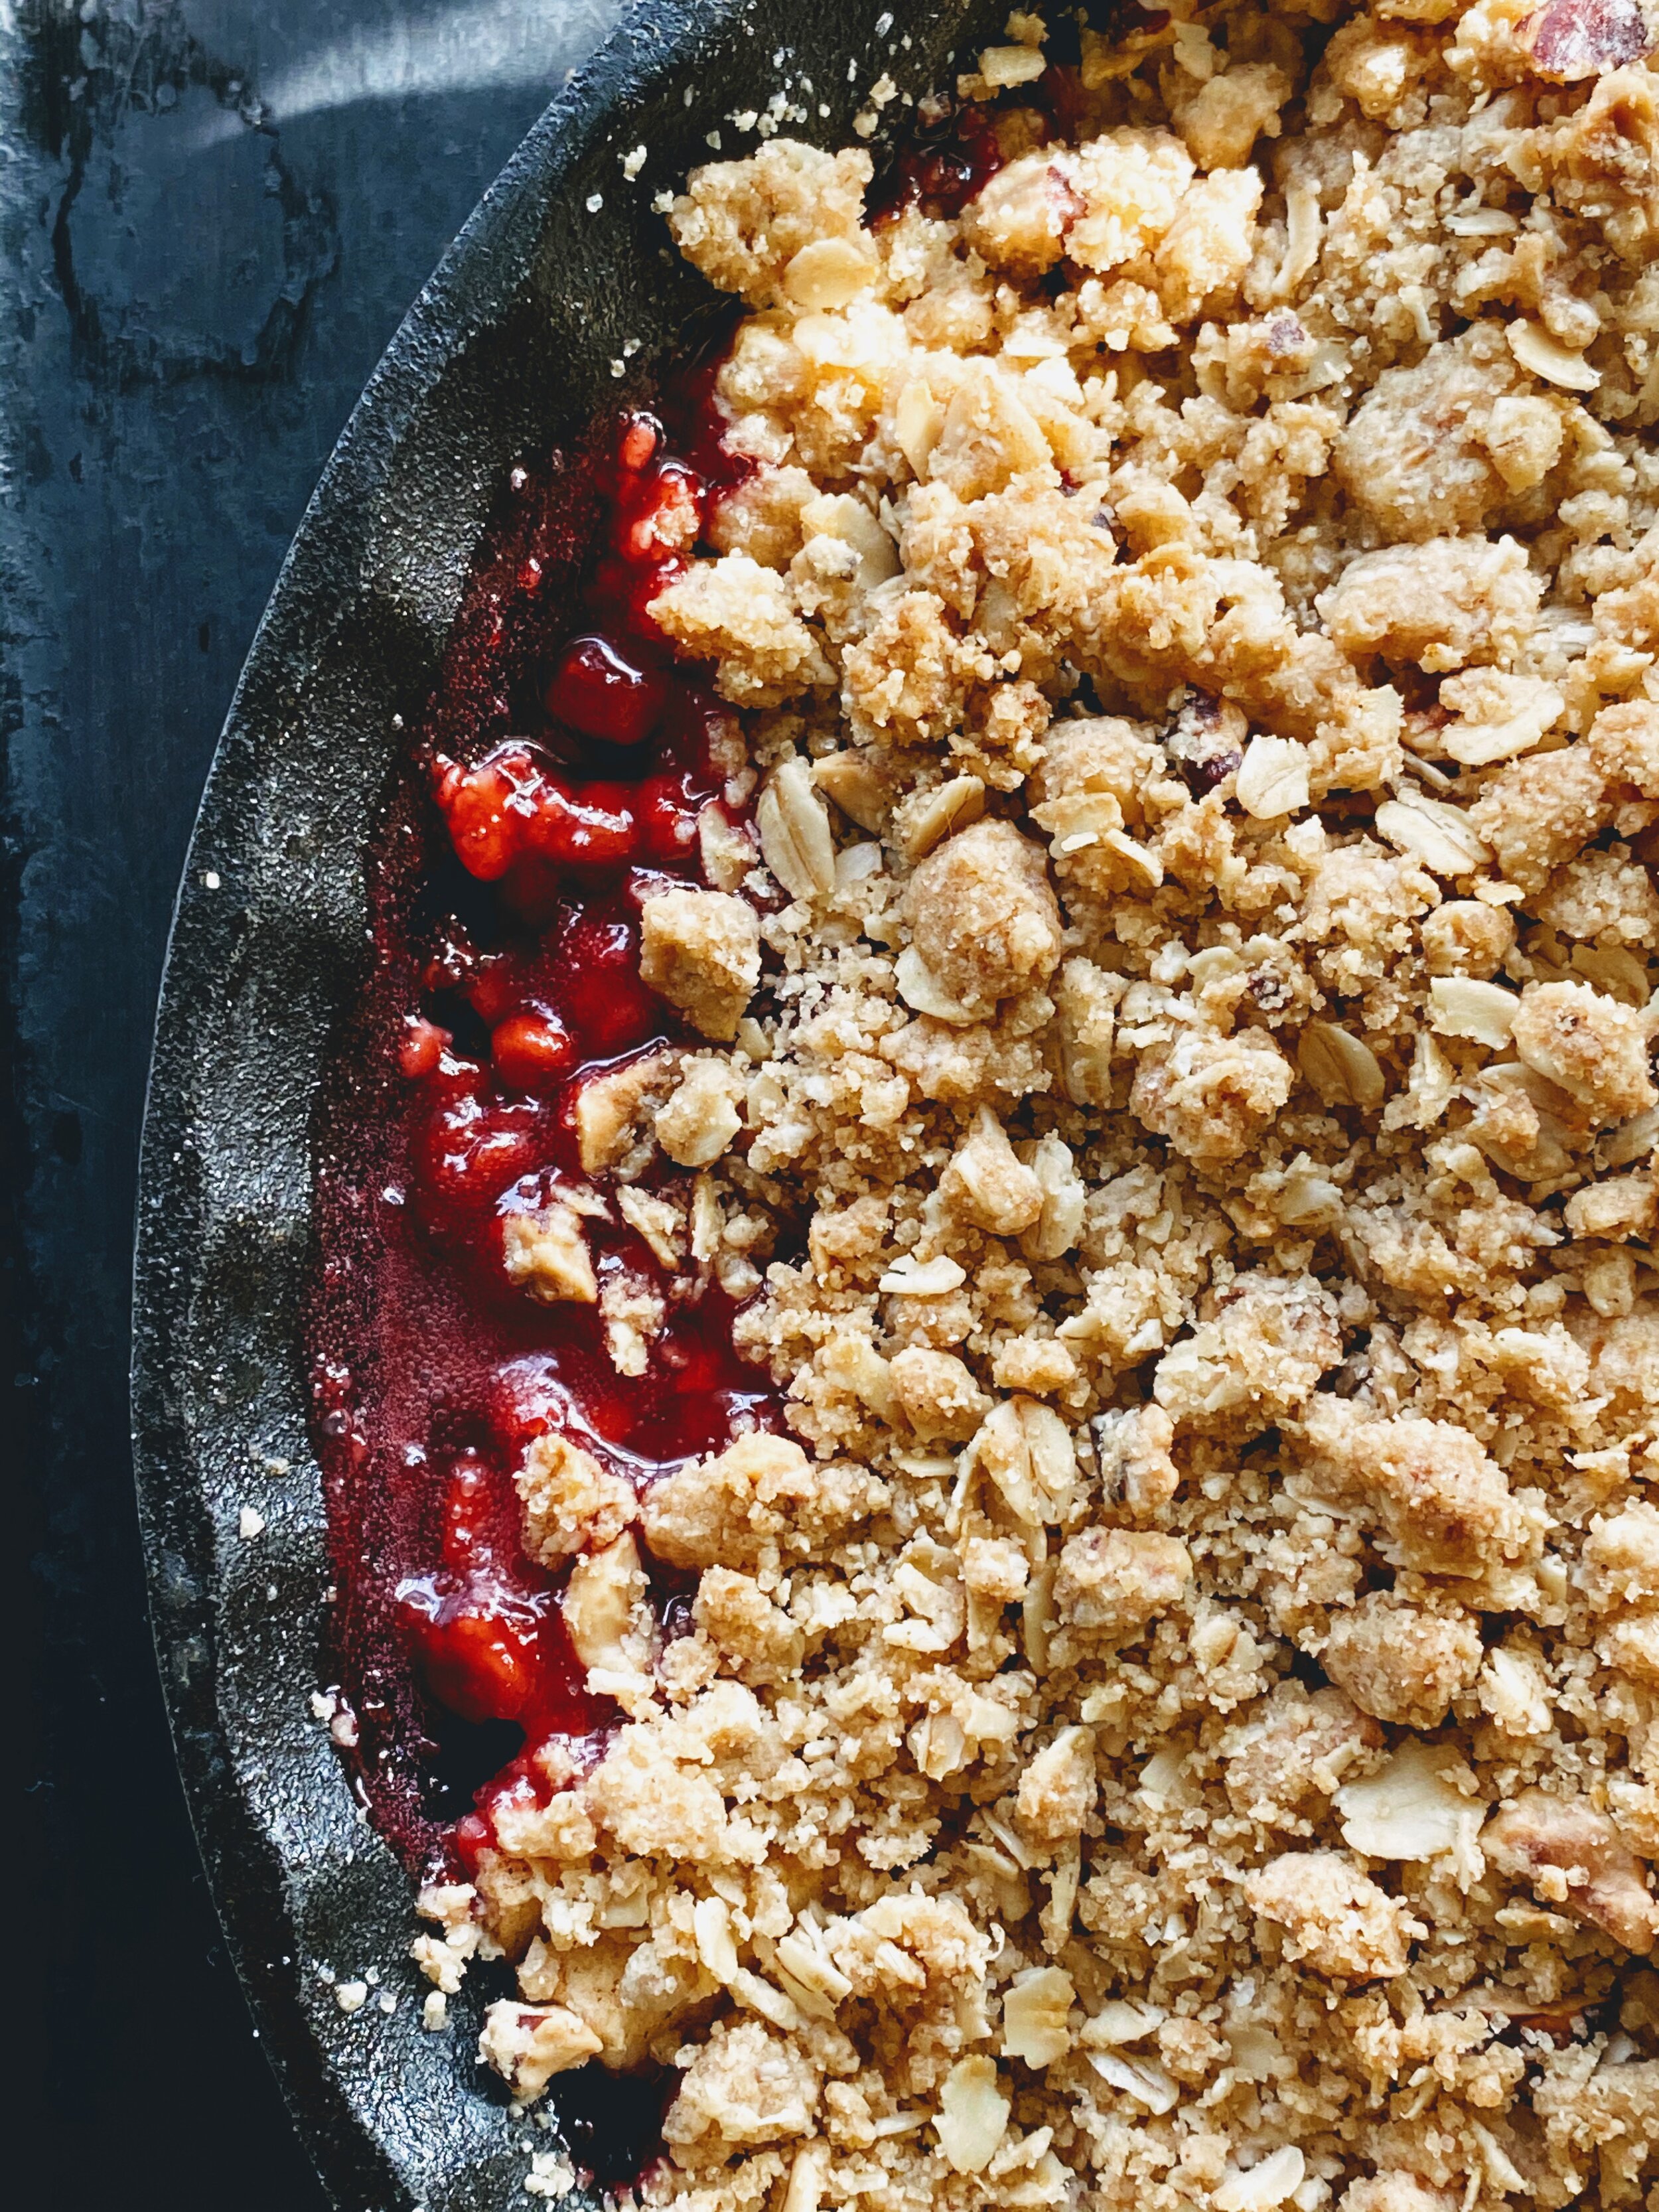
x,y
1177,1722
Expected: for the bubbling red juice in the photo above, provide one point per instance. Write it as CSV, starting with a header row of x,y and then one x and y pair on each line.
x,y
560,776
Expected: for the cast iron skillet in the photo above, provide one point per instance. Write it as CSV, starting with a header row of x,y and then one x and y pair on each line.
x,y
512,341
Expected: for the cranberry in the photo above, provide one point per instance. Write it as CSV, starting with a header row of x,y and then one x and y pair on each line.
x,y
511,805
667,814
584,825
495,987
638,439
471,1149
945,172
595,690
452,961
477,1652
476,1634
482,806
601,993
547,963
486,1624
423,1046
660,516
532,1052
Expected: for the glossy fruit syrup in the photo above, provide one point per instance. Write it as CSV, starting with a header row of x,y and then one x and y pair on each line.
x,y
564,766
561,773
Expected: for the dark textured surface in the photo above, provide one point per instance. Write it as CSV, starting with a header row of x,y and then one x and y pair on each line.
x,y
520,335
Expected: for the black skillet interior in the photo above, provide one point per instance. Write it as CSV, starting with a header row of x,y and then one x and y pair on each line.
x,y
563,270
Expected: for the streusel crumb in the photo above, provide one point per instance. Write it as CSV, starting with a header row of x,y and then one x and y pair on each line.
x,y
1177,1724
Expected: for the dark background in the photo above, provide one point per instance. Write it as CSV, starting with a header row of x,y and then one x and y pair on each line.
x,y
212,216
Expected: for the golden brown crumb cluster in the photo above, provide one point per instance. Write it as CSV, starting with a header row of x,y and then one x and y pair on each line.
x,y
1178,1724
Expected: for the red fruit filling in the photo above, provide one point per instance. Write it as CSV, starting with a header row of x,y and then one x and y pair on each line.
x,y
943,166
562,770
531,1051
559,774
485,1624
602,695
423,1046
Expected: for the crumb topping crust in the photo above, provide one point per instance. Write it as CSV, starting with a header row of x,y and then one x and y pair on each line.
x,y
1176,1722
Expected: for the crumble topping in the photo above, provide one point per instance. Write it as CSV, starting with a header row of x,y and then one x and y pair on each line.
x,y
1175,1725
701,950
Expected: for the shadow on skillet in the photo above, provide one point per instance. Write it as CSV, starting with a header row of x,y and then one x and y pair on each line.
x,y
510,344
